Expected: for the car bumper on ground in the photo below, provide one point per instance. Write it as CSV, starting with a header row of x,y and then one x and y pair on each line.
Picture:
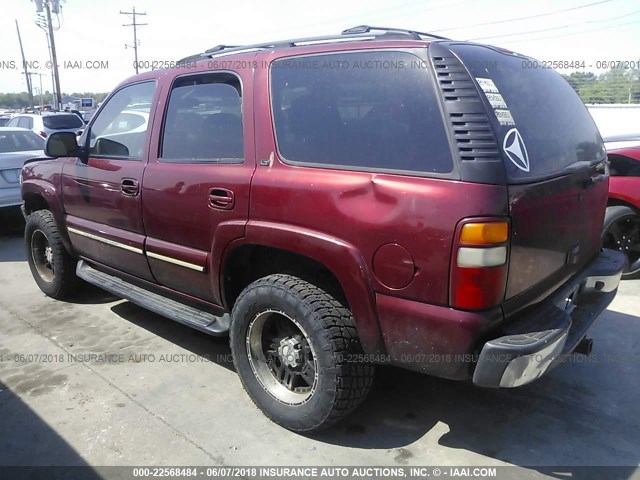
x,y
534,343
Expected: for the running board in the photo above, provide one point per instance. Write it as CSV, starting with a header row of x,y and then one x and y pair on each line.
x,y
190,316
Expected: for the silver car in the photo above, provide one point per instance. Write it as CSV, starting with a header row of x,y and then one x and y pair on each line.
x,y
17,145
46,123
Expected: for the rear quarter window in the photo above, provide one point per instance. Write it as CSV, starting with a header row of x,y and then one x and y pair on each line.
x,y
361,110
24,122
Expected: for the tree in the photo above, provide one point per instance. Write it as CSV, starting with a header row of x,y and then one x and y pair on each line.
x,y
612,86
21,100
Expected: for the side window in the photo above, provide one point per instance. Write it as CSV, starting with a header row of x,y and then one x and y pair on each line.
x,y
13,122
203,121
120,128
25,122
374,110
623,166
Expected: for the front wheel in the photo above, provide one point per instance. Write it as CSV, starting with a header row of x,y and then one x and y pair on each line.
x,y
297,353
621,231
52,267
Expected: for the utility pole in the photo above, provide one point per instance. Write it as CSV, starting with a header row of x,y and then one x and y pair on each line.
x,y
41,92
54,58
135,26
24,65
42,23
47,6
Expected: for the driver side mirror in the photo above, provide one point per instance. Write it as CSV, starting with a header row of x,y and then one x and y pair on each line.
x,y
61,144
64,144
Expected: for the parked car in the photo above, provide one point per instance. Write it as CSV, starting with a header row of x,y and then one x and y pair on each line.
x,y
87,116
4,119
379,196
45,123
16,146
621,229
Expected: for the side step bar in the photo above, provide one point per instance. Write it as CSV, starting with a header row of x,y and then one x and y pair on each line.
x,y
193,317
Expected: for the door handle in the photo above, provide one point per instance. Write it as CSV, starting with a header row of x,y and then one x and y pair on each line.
x,y
129,187
221,198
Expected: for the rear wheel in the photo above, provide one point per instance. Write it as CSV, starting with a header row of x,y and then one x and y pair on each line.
x,y
621,231
296,350
51,265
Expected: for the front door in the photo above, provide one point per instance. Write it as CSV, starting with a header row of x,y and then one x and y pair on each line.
x,y
102,198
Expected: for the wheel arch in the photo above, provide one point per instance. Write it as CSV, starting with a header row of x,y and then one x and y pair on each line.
x,y
336,265
39,195
618,202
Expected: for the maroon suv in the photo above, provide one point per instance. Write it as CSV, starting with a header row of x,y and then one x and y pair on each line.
x,y
380,196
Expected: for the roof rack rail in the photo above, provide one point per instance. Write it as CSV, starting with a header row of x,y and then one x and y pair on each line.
x,y
360,29
219,48
355,33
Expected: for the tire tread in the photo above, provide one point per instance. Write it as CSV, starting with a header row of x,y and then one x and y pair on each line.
x,y
354,379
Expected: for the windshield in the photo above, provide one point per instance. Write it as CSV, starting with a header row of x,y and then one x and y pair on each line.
x,y
541,124
15,141
59,122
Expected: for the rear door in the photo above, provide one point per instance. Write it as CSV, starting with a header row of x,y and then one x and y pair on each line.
x,y
554,161
195,195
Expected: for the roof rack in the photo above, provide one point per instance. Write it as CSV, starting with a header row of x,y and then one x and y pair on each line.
x,y
360,29
219,48
360,32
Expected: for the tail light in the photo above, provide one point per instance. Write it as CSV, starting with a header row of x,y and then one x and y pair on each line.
x,y
479,263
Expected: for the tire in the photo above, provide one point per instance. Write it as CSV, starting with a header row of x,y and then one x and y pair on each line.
x,y
621,231
281,318
52,267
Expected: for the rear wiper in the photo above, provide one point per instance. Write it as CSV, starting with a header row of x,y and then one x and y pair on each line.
x,y
574,167
598,163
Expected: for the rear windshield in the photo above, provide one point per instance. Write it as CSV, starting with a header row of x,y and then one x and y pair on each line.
x,y
541,123
19,141
62,121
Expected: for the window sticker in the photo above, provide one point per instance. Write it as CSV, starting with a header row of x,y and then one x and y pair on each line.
x,y
504,116
487,85
496,100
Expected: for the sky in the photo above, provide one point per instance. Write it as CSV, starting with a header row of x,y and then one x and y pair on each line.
x,y
92,31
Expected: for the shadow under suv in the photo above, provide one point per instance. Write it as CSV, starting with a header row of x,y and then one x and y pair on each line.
x,y
380,196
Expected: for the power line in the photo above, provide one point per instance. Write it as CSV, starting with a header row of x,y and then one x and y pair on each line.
x,y
581,32
556,28
403,10
517,19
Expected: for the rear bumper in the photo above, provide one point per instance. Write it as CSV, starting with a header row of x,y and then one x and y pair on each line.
x,y
10,197
531,345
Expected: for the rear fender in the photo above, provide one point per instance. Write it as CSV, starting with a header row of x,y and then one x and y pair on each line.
x,y
341,258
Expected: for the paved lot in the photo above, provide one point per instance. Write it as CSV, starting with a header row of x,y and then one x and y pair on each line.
x,y
155,402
